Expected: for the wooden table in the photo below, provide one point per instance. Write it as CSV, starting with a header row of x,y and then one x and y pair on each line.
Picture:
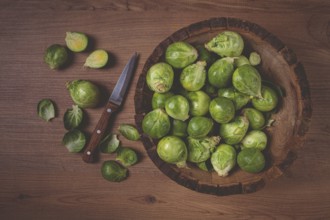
x,y
40,179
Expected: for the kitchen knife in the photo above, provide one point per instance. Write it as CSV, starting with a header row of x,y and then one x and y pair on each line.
x,y
115,101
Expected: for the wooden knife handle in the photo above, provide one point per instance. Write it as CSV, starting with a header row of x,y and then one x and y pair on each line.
x,y
90,151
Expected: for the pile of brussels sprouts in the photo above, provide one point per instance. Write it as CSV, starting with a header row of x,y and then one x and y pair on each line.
x,y
209,106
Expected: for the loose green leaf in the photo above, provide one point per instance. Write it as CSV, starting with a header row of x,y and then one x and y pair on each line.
x,y
113,171
127,156
46,109
109,144
129,132
74,141
73,117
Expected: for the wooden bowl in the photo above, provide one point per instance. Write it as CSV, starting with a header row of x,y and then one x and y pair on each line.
x,y
280,65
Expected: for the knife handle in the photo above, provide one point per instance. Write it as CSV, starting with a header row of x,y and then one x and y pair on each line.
x,y
90,151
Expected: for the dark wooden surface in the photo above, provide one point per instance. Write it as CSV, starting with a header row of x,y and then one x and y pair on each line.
x,y
41,180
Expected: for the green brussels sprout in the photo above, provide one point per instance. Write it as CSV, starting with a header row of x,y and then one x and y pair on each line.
x,y
173,150
179,128
158,99
126,156
268,100
254,58
199,103
113,171
109,144
177,107
241,60
200,149
56,56
160,77
255,139
223,159
233,132
156,123
97,59
193,76
129,132
199,126
247,80
205,55
46,109
76,41
222,110
226,44
255,117
239,99
220,73
74,140
251,160
73,117
180,54
84,93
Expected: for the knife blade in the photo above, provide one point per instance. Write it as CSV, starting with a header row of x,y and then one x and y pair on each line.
x,y
115,102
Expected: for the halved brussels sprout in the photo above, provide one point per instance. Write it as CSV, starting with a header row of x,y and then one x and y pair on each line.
x,y
180,54
160,77
233,132
239,99
251,160
177,107
200,149
255,139
199,103
255,117
158,99
179,128
222,110
220,73
199,126
173,150
268,101
156,123
254,58
223,159
193,76
226,44
247,80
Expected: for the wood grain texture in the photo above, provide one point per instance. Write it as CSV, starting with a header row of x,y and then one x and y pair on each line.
x,y
41,180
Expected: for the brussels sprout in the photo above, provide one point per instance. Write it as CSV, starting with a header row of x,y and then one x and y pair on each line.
x,y
56,56
109,143
251,160
205,55
223,159
199,103
255,117
222,110
255,139
268,101
46,109
247,80
73,117
199,126
180,54
179,128
239,99
254,58
113,171
226,44
193,76
84,93
126,156
177,107
97,59
156,123
220,73
241,60
160,77
76,41
200,149
74,140
233,132
158,99
129,132
172,149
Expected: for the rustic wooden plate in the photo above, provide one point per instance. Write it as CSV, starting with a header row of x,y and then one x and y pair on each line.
x,y
280,65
